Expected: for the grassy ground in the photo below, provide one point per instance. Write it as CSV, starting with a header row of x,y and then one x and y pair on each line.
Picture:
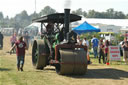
x,y
97,74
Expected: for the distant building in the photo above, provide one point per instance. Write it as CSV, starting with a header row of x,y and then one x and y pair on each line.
x,y
7,31
124,30
110,28
109,25
106,25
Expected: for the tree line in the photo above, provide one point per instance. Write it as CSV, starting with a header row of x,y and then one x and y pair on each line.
x,y
22,19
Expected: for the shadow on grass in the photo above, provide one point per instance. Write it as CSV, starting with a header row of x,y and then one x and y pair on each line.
x,y
45,70
4,69
108,73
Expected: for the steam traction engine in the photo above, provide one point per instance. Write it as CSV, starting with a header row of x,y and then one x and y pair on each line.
x,y
57,45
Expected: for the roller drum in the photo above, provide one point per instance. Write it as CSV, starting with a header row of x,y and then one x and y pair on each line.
x,y
72,62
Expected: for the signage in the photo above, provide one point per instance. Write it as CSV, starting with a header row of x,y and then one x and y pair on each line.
x,y
114,53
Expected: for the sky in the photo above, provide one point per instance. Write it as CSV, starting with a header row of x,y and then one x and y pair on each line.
x,y
12,7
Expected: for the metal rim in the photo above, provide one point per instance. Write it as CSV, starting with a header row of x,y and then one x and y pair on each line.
x,y
34,53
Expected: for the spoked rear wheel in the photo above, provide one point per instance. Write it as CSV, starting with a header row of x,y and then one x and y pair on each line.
x,y
39,60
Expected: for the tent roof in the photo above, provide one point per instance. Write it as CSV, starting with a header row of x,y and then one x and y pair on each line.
x,y
84,28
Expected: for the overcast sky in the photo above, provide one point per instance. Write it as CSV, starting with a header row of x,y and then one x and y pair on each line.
x,y
12,7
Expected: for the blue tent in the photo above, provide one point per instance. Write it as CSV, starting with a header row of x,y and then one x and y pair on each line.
x,y
84,28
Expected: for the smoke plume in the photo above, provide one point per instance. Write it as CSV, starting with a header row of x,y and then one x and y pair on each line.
x,y
67,4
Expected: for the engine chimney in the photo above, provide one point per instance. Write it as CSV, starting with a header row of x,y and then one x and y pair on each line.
x,y
66,22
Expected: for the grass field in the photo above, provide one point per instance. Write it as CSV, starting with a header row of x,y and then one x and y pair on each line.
x,y
97,74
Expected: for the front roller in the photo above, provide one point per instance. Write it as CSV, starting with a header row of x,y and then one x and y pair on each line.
x,y
39,54
72,62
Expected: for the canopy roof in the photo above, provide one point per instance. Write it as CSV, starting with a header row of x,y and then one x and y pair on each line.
x,y
84,28
57,18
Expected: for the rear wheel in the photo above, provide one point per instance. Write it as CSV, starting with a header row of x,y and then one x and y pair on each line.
x,y
39,54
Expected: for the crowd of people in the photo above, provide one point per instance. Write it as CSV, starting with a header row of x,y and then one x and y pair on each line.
x,y
101,49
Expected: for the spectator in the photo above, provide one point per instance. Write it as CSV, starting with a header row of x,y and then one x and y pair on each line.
x,y
101,51
20,51
78,39
13,39
86,43
106,50
1,40
80,43
95,42
125,50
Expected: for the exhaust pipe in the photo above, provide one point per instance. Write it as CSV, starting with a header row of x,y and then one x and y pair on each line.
x,y
66,22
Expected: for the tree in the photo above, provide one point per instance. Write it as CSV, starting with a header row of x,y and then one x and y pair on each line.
x,y
1,19
84,13
91,14
47,10
110,13
126,16
80,12
115,14
119,15
1,16
21,20
34,16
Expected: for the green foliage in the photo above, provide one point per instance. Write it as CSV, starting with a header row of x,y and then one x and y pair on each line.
x,y
1,16
109,14
119,37
78,12
47,10
90,35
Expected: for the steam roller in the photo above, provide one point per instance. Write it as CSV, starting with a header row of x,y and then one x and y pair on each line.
x,y
57,45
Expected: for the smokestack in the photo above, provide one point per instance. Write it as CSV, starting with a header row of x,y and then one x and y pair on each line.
x,y
66,21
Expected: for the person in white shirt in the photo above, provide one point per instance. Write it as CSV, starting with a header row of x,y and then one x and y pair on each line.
x,y
78,39
86,43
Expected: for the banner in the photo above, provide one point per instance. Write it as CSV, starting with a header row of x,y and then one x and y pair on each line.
x,y
114,53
